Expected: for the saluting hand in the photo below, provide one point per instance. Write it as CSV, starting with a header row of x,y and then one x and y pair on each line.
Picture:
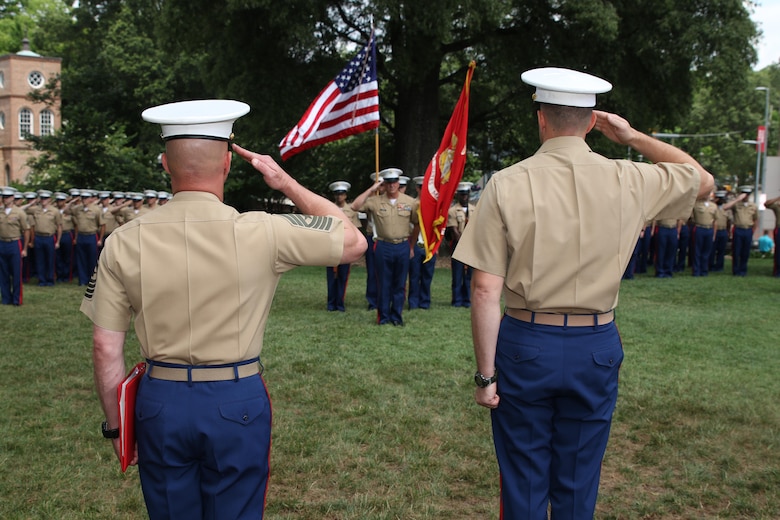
x,y
273,174
614,127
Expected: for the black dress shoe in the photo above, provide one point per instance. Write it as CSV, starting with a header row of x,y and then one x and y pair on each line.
x,y
398,324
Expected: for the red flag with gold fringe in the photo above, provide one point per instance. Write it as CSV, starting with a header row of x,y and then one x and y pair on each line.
x,y
444,172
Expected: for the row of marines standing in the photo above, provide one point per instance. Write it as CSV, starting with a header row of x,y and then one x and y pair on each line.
x,y
702,241
47,234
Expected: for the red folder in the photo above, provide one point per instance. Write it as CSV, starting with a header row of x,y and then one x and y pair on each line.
x,y
125,393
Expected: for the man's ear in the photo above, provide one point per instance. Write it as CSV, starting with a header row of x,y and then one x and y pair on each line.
x,y
592,122
165,163
228,161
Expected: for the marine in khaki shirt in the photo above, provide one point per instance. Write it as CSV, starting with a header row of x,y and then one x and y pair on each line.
x,y
199,278
553,235
395,218
705,214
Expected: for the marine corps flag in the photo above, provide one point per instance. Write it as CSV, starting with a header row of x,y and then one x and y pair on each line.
x,y
444,173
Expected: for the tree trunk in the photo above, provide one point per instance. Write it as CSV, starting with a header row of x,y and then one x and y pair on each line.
x,y
417,128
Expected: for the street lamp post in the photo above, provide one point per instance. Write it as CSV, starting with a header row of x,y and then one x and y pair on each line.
x,y
766,131
758,166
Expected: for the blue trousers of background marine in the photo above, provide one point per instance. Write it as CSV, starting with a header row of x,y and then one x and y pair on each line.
x,y
558,387
203,448
86,256
65,257
740,250
461,284
702,247
11,272
337,277
420,279
643,251
372,287
684,245
392,268
718,253
665,250
45,259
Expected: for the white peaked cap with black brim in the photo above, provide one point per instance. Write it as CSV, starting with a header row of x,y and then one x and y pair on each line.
x,y
556,86
198,119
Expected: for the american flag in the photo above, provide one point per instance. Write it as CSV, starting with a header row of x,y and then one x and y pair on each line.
x,y
348,105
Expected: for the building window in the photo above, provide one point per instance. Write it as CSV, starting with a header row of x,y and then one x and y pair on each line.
x,y
7,175
25,123
2,120
47,122
2,79
35,79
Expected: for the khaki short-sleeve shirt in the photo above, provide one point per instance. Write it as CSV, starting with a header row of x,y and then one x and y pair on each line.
x,y
560,226
199,277
109,219
458,217
13,223
745,214
87,219
352,215
722,218
705,213
392,221
47,220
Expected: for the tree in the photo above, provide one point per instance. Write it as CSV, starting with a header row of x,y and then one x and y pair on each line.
x,y
121,56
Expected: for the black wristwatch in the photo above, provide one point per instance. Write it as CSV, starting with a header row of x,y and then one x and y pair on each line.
x,y
109,434
483,381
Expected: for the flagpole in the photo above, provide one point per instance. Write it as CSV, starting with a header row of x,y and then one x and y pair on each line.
x,y
376,153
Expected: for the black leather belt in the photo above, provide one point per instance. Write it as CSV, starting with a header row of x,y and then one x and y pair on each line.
x,y
392,240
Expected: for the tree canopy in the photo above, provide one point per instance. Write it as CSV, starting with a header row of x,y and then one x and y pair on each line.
x,y
676,65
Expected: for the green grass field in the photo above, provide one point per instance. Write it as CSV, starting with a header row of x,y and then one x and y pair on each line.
x,y
379,422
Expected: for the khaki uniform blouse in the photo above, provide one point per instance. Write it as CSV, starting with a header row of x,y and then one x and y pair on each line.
x,y
458,218
560,226
13,223
109,219
705,213
392,221
722,217
352,215
46,220
199,277
87,219
745,214
67,219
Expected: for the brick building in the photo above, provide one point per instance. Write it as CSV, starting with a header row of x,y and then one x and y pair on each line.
x,y
20,74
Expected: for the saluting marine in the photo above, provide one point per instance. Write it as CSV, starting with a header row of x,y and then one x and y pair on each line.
x,y
394,215
199,279
745,222
553,234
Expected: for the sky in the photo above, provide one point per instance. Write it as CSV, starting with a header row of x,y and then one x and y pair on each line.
x,y
767,17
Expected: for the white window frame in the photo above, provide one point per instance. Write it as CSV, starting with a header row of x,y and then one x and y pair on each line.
x,y
46,122
36,79
26,123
